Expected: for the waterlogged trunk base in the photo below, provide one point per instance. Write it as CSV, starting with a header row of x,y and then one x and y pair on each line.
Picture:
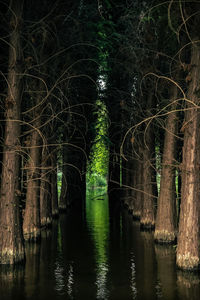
x,y
46,222
9,256
147,224
62,207
55,213
136,214
32,235
164,237
188,262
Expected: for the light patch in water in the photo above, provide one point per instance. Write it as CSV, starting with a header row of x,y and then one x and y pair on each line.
x,y
70,281
102,291
64,280
133,280
59,278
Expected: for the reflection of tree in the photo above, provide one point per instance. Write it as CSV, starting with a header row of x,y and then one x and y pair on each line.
x,y
188,284
145,266
166,256
32,270
11,282
97,220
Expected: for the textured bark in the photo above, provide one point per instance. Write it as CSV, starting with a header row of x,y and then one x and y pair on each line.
x,y
188,256
45,190
138,193
63,194
147,219
31,224
54,187
165,228
11,239
131,184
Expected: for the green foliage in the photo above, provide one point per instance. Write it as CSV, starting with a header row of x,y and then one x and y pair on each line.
x,y
59,182
98,162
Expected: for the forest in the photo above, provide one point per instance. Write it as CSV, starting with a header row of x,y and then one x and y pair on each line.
x,y
132,65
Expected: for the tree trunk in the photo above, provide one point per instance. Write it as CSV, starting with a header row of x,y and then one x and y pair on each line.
x,y
45,190
138,193
54,186
132,185
63,194
31,224
188,236
11,238
165,229
147,219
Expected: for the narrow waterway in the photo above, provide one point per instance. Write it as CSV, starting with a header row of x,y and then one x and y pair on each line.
x,y
98,254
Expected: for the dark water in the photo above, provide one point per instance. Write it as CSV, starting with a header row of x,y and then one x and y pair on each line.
x,y
93,256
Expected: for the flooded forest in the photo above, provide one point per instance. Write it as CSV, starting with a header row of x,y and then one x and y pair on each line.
x,y
99,149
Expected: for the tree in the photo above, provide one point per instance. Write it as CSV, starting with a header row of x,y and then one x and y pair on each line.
x,y
147,219
188,256
11,239
166,221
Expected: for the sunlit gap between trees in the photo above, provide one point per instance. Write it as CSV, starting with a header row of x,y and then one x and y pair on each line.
x,y
97,168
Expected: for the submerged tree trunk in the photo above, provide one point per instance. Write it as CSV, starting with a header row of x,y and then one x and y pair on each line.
x,y
165,228
138,185
45,190
188,256
11,238
31,224
54,186
147,219
63,194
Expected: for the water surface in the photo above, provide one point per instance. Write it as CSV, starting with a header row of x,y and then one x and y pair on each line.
x,y
98,254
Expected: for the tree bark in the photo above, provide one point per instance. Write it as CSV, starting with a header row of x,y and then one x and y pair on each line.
x,y
45,190
147,220
138,193
63,194
54,186
188,256
31,224
11,238
165,228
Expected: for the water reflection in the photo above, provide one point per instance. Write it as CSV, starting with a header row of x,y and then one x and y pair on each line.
x,y
188,285
97,216
99,255
32,270
133,277
166,258
64,280
11,282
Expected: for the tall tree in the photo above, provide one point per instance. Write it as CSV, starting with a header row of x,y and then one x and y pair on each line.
x,y
188,256
11,239
147,219
166,225
31,222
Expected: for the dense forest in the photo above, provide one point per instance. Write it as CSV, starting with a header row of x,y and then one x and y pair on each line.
x,y
63,63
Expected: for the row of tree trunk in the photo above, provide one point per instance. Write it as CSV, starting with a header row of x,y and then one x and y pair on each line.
x,y
45,123
172,221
